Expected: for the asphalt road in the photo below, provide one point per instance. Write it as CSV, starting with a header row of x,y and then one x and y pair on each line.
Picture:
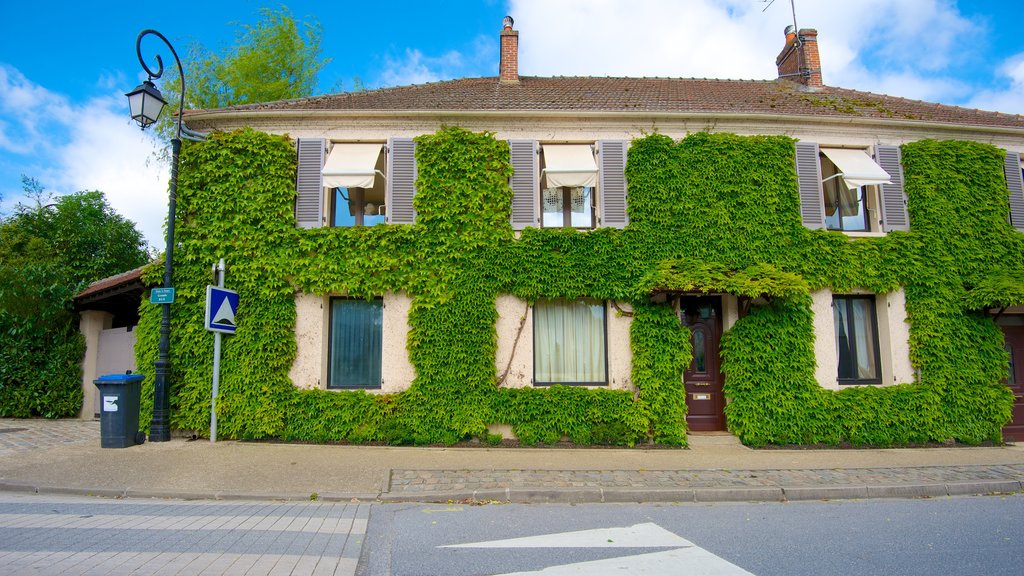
x,y
948,536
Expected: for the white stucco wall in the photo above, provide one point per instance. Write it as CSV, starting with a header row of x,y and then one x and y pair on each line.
x,y
397,371
311,320
91,324
310,340
893,338
511,312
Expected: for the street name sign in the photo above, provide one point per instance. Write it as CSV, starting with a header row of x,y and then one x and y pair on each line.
x,y
161,296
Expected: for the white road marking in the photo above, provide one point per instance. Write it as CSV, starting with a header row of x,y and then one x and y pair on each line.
x,y
684,558
648,535
693,561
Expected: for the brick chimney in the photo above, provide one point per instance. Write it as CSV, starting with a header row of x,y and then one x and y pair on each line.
x,y
508,65
799,62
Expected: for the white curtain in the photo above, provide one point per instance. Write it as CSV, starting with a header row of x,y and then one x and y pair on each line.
x,y
569,342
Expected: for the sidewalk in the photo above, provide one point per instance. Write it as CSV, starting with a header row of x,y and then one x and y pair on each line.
x,y
64,457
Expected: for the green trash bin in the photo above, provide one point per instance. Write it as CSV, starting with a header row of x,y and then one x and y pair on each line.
x,y
119,410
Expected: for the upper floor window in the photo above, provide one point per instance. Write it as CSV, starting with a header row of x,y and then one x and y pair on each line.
x,y
355,175
354,184
568,180
845,208
845,189
1014,173
848,180
856,326
568,185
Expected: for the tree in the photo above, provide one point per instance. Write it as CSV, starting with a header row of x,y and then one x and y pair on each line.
x,y
278,58
48,253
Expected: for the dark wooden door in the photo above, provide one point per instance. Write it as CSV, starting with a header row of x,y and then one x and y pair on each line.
x,y
703,379
1014,431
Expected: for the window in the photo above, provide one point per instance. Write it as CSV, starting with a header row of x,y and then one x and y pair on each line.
x,y
848,180
355,175
856,326
1014,172
579,186
568,207
568,180
570,342
846,208
357,207
355,343
845,189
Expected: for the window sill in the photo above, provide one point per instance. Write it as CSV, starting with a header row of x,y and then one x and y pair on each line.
x,y
877,382
861,234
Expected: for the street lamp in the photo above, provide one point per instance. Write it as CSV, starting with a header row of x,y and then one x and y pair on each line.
x,y
146,103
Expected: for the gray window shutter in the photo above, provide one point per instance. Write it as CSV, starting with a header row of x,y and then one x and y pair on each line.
x,y
894,201
808,174
401,185
309,183
1015,182
525,187
612,154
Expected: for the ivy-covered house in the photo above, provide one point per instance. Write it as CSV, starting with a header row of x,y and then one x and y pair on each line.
x,y
612,260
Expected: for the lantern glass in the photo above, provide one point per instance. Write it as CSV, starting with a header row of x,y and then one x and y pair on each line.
x,y
145,104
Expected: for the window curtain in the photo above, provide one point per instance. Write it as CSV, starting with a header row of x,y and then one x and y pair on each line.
x,y
855,338
864,338
569,342
355,343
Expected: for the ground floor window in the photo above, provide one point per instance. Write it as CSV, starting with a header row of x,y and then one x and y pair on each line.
x,y
570,342
856,326
355,339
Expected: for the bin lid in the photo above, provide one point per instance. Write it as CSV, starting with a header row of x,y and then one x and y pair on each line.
x,y
108,378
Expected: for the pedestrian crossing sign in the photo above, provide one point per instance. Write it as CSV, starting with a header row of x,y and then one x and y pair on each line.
x,y
221,307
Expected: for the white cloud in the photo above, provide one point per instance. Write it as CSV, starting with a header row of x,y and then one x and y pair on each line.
x,y
106,151
70,147
1011,98
415,67
26,112
910,48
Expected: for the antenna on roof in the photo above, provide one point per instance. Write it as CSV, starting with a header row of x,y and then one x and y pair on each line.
x,y
792,5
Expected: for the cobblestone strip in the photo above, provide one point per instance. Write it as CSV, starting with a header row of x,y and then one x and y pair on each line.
x,y
430,481
17,435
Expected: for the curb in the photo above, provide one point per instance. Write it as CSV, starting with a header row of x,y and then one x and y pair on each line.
x,y
565,495
707,495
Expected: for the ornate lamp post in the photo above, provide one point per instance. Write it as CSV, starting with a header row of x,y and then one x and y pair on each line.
x,y
146,103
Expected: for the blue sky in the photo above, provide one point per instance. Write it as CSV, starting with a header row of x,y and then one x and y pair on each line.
x,y
64,66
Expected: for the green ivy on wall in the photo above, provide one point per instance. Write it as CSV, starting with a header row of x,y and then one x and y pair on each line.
x,y
714,212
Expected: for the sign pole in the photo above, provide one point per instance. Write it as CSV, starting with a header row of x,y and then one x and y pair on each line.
x,y
218,269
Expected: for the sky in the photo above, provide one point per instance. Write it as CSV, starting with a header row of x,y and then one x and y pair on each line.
x,y
65,66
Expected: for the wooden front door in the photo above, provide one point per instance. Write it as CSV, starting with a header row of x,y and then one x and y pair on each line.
x,y
1014,335
703,379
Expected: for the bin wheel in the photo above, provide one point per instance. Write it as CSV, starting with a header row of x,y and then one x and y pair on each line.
x,y
140,437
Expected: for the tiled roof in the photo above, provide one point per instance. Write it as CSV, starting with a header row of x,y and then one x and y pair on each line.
x,y
112,282
684,95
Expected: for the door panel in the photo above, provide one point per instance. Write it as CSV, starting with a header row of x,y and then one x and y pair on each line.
x,y
1014,335
703,378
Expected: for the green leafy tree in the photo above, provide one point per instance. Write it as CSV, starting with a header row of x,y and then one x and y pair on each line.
x,y
276,59
48,253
